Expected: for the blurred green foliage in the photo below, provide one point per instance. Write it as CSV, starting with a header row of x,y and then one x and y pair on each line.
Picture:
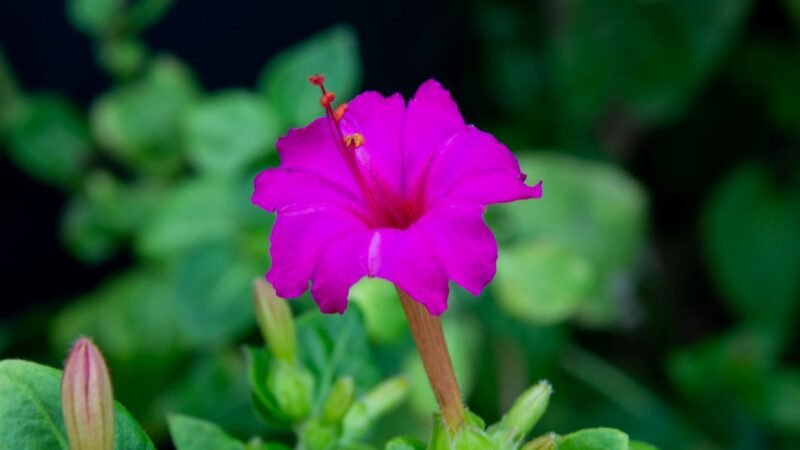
x,y
158,172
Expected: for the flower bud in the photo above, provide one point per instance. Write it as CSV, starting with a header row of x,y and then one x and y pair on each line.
x,y
319,436
293,388
523,415
386,396
275,321
468,436
405,443
548,441
377,402
338,402
86,399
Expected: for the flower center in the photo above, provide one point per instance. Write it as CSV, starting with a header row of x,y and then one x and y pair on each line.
x,y
388,209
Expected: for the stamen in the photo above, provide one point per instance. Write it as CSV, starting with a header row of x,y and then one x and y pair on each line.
x,y
382,209
327,99
338,113
354,140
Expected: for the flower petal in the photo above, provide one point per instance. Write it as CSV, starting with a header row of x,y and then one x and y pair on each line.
x,y
313,149
463,244
379,120
432,118
280,188
473,166
299,242
407,258
342,262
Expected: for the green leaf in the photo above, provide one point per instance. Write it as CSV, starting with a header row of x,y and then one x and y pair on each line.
x,y
383,314
750,236
737,363
594,439
636,445
264,402
86,233
49,139
591,212
197,212
144,13
405,443
95,16
212,294
767,73
333,346
213,388
138,123
30,410
189,433
542,283
104,213
782,398
597,66
228,132
284,81
122,57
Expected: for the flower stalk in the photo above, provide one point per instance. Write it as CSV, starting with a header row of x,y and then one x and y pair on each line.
x,y
429,337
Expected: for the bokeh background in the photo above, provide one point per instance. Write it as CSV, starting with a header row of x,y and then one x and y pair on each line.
x,y
656,284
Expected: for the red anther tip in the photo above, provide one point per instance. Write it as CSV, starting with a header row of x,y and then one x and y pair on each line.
x,y
339,112
327,99
317,80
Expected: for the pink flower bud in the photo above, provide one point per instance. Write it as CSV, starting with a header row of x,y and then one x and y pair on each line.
x,y
86,399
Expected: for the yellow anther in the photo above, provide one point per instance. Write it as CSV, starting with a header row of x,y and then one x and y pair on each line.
x,y
354,140
338,113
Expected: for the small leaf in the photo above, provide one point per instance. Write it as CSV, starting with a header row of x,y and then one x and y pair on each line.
x,y
30,404
137,123
751,240
212,293
405,443
228,132
636,445
197,212
591,212
739,361
383,314
336,346
782,398
95,16
543,283
49,139
214,389
105,212
264,402
594,439
333,53
194,434
597,66
144,13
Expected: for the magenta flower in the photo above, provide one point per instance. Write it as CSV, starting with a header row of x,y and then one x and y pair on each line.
x,y
378,188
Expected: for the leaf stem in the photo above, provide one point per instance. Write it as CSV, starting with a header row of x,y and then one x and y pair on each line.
x,y
429,337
